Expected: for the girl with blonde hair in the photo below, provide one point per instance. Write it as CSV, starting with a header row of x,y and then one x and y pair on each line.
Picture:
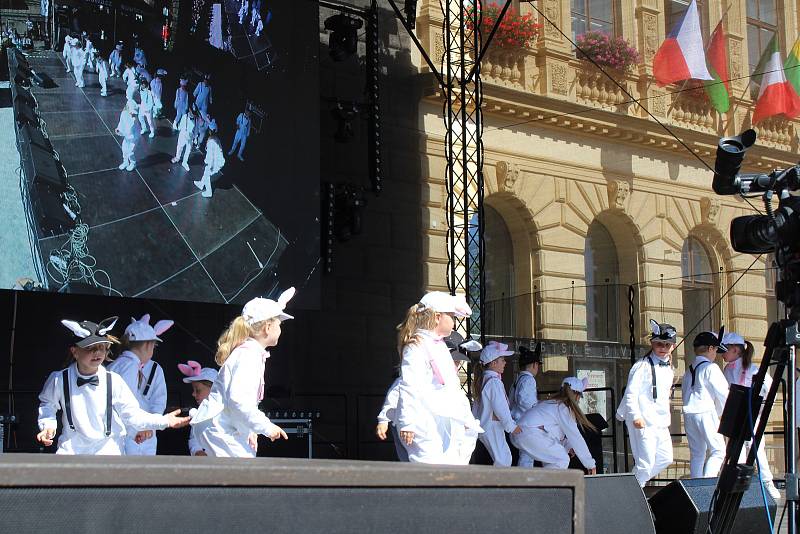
x,y
229,415
433,413
550,429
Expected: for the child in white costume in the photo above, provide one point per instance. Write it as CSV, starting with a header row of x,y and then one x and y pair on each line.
x,y
201,379
491,404
550,429
740,369
96,404
523,395
226,419
645,406
144,377
705,392
434,417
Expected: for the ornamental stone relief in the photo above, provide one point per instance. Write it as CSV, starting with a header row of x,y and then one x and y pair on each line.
x,y
618,193
507,175
709,209
559,83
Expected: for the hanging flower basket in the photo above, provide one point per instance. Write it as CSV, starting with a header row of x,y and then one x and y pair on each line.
x,y
613,52
514,32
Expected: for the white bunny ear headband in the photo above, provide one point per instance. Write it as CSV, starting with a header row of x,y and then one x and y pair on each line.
x,y
89,333
140,329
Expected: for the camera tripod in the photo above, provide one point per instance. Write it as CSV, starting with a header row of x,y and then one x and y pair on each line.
x,y
740,411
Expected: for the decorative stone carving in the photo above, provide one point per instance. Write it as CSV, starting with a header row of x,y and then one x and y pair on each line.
x,y
559,82
560,190
552,10
618,193
658,103
661,207
709,209
735,49
507,175
650,24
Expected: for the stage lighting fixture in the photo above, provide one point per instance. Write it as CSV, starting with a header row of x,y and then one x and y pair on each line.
x,y
343,40
373,67
328,215
344,113
410,9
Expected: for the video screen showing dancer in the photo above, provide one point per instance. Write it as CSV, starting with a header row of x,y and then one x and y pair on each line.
x,y
183,171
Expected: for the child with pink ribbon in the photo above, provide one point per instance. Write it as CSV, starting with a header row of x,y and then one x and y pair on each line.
x,y
201,378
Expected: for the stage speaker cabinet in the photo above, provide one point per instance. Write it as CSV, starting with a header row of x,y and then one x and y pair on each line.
x,y
24,112
48,209
616,503
90,494
41,167
30,134
683,506
23,95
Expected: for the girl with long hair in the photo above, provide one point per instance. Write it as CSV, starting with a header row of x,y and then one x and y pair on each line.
x,y
229,415
433,414
740,369
550,429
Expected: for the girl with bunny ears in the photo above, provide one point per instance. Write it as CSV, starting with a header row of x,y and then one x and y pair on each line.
x,y
201,379
226,419
144,377
96,405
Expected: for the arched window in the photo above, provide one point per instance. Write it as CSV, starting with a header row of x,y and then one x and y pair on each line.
x,y
499,273
698,289
601,266
592,15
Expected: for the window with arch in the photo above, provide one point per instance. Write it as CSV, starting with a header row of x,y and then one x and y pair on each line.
x,y
675,9
601,267
593,15
762,24
697,288
499,274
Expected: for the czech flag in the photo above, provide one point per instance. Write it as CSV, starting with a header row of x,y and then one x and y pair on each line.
x,y
776,95
681,55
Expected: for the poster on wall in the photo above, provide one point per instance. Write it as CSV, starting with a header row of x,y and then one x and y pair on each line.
x,y
594,402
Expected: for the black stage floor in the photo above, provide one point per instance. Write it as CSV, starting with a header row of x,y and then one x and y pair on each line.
x,y
150,229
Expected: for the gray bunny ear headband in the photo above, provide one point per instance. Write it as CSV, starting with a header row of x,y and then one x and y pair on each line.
x,y
89,333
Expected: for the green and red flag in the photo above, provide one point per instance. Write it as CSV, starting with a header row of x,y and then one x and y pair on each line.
x,y
717,89
792,66
776,95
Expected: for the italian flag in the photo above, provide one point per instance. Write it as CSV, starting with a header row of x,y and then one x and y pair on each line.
x,y
718,90
776,95
792,66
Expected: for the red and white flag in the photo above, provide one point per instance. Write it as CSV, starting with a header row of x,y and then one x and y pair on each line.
x,y
776,95
682,55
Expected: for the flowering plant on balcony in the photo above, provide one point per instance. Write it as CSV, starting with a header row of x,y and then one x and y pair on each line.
x,y
515,31
614,52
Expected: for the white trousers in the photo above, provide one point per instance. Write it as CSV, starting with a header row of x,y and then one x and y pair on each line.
x,y
702,435
184,146
494,439
541,446
146,121
761,456
652,450
146,448
525,459
103,85
442,442
128,147
239,139
79,75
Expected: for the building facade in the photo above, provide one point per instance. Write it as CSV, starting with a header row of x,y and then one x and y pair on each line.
x,y
592,188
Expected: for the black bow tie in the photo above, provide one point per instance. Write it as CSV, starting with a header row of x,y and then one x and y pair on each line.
x,y
94,381
658,362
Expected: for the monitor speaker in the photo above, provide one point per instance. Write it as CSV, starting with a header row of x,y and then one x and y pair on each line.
x,y
604,493
24,113
31,135
41,167
48,210
683,506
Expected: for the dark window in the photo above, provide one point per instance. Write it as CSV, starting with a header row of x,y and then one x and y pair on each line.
x,y
601,266
698,290
674,11
592,15
762,23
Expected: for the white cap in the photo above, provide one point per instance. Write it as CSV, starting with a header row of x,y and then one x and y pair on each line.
x,y
442,302
260,309
140,330
206,373
732,338
494,350
576,384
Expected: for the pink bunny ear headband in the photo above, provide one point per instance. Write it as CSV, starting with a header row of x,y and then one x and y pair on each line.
x,y
190,368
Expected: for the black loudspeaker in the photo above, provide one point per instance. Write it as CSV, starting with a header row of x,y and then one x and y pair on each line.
x,y
24,95
29,134
41,167
89,494
24,113
683,505
48,208
616,503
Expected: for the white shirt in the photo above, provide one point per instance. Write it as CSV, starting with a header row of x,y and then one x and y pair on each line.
x,y
493,404
388,412
215,159
127,366
710,390
556,420
194,445
233,401
127,126
88,407
243,124
638,402
186,126
523,394
422,395
744,377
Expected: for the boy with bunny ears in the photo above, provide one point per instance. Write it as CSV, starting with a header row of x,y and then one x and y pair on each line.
x,y
201,379
144,377
96,405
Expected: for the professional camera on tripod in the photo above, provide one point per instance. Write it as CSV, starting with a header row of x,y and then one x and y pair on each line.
x,y
775,232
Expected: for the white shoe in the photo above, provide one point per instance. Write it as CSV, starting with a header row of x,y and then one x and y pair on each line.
x,y
145,131
198,184
206,193
130,167
122,167
152,134
771,490
185,166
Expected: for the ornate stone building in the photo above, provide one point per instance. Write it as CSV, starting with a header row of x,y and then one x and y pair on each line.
x,y
587,194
